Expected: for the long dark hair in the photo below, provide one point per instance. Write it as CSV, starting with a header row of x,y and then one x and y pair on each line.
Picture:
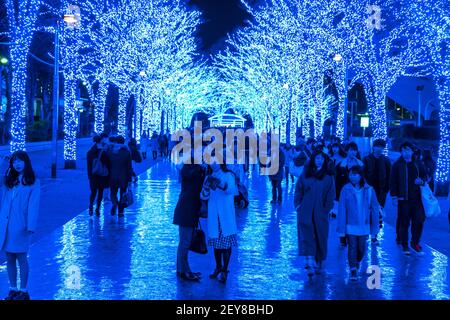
x,y
359,170
311,169
12,176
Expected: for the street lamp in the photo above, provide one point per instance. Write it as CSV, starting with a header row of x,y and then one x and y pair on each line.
x,y
338,58
4,61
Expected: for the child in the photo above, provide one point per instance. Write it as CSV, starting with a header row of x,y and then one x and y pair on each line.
x,y
358,217
20,192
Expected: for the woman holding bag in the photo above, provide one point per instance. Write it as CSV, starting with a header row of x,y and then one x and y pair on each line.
x,y
186,216
222,228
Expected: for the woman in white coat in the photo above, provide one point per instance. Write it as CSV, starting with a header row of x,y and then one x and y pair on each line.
x,y
222,229
19,206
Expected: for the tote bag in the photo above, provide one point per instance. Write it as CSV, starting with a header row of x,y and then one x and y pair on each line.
x,y
430,202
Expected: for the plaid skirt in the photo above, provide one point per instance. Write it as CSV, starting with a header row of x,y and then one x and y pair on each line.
x,y
223,242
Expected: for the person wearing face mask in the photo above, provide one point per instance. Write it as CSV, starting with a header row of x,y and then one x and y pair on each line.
x,y
313,200
357,217
377,171
342,170
20,195
222,227
407,176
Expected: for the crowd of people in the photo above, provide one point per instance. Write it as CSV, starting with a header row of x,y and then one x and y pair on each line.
x,y
111,166
337,182
332,181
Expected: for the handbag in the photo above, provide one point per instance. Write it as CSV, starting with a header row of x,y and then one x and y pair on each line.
x,y
98,168
128,198
429,201
198,242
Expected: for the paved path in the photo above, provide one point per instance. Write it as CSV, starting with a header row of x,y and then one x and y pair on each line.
x,y
135,258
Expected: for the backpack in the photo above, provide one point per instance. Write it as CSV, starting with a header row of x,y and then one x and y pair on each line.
x,y
98,167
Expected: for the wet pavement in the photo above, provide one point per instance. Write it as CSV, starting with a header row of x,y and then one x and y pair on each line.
x,y
135,257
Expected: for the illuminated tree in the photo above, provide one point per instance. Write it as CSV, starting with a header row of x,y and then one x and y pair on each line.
x,y
22,16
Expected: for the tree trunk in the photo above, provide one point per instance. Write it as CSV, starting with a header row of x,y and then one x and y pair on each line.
x,y
70,120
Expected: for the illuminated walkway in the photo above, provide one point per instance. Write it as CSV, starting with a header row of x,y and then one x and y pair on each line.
x,y
135,258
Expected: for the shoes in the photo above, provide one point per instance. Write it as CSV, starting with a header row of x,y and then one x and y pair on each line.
x,y
273,201
353,275
215,273
309,266
223,276
21,295
189,276
406,252
12,295
333,215
375,241
197,274
417,249
121,215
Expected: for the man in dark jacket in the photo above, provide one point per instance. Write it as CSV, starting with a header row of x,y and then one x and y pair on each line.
x,y
120,172
407,176
377,171
186,216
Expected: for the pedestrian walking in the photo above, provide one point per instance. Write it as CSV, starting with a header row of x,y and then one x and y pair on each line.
x,y
377,171
98,173
19,207
154,145
120,174
357,217
407,176
277,178
144,145
313,200
342,170
222,227
135,157
186,216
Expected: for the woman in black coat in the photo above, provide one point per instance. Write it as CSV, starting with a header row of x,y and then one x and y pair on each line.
x,y
98,181
186,216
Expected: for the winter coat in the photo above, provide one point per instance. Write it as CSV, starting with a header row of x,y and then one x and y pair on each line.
x,y
221,207
19,209
402,183
154,143
354,220
382,175
313,201
144,144
188,206
95,180
279,176
120,169
342,170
